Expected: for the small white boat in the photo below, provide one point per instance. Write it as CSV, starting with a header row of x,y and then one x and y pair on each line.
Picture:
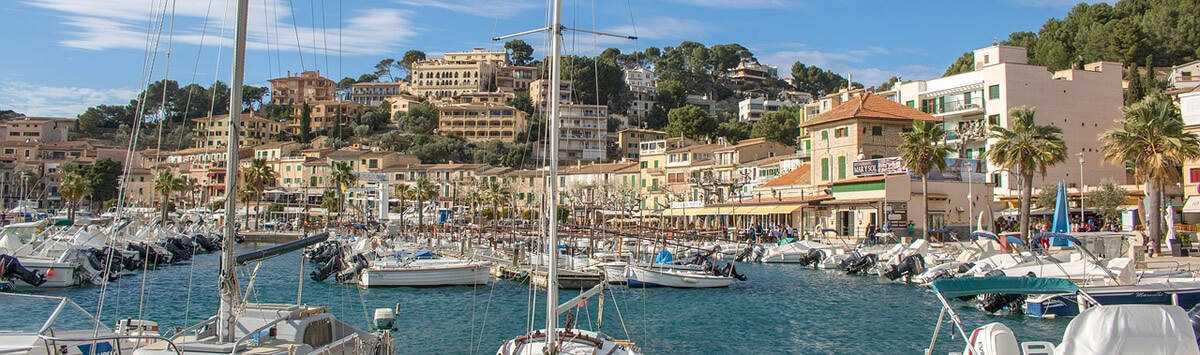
x,y
795,252
425,272
656,277
573,342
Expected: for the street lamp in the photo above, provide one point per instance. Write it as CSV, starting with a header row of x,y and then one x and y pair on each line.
x,y
1082,219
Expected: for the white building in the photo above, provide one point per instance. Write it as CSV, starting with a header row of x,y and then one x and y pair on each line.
x,y
753,109
583,133
641,84
1185,76
1083,103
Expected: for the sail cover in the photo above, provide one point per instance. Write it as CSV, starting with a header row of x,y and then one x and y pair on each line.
x,y
970,286
664,257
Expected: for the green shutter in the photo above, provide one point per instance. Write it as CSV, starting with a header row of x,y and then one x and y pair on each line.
x,y
841,167
910,104
824,169
858,187
994,92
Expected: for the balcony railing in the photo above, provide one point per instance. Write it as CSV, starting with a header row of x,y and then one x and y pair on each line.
x,y
952,106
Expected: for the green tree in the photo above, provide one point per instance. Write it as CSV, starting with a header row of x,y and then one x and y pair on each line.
x,y
888,84
1107,200
402,192
421,118
73,188
258,177
817,81
424,190
964,64
734,130
343,179
1025,149
522,101
690,121
924,149
331,204
410,57
305,123
782,126
1046,196
165,184
384,69
519,52
1151,139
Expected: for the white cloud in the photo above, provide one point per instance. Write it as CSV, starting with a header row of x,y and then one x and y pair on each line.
x,y
1056,3
739,4
663,27
853,62
57,101
123,24
481,8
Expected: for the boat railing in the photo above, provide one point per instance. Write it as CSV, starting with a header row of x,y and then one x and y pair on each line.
x,y
118,339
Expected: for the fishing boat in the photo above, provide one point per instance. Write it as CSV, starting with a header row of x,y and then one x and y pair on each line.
x,y
664,277
1101,329
552,339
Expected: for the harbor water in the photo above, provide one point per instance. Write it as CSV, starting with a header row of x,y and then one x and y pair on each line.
x,y
781,309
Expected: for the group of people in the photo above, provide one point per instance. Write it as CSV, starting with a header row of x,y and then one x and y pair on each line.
x,y
760,234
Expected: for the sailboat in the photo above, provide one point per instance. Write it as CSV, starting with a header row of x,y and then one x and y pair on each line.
x,y
552,339
260,328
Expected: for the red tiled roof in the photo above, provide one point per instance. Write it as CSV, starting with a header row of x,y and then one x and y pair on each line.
x,y
870,105
798,176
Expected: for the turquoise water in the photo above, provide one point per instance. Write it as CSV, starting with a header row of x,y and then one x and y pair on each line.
x,y
780,309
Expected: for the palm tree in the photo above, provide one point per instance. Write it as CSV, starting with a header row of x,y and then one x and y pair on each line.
x,y
258,177
922,150
1151,139
342,178
165,184
330,202
403,191
496,194
425,190
73,188
1025,149
191,187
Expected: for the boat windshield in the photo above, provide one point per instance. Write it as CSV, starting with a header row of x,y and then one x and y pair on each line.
x,y
54,315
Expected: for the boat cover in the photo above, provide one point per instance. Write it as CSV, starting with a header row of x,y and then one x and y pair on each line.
x,y
664,257
9,243
970,286
1130,329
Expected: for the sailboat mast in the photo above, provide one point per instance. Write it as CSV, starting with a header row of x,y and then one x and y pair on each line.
x,y
230,293
552,232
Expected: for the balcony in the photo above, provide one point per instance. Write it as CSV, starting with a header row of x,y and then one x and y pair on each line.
x,y
955,107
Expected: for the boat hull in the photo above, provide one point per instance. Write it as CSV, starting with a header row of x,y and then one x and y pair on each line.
x,y
467,274
58,275
1052,306
642,277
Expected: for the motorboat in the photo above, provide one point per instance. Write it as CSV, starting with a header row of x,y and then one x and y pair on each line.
x,y
1100,329
424,270
69,329
663,277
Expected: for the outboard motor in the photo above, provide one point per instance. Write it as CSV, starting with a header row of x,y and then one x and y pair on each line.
x,y
731,270
859,264
206,244
993,302
329,268
359,262
11,267
744,255
911,265
811,258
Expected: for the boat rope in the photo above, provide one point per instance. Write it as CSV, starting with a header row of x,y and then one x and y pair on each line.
x,y
187,308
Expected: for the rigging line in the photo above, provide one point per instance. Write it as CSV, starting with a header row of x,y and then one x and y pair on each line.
x,y
312,20
596,61
187,107
275,23
339,37
296,31
324,39
267,39
128,154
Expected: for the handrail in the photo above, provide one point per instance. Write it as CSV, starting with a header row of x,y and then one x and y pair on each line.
x,y
114,337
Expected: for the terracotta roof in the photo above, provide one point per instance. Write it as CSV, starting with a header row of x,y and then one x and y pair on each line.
x,y
870,105
798,176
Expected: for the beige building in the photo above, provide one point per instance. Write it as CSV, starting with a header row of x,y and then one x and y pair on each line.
x,y
325,114
750,72
866,127
1082,102
540,88
308,86
481,117
401,103
733,171
254,130
513,78
374,94
583,133
628,141
457,73
37,129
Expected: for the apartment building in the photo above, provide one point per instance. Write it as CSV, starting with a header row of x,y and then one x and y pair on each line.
x,y
457,73
1083,103
817,107
583,133
308,86
513,78
866,127
754,108
374,94
1185,76
1189,107
401,103
254,130
325,114
733,173
641,84
36,129
628,141
539,90
481,117
750,72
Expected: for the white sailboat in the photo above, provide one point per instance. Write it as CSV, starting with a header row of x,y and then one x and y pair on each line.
x,y
552,339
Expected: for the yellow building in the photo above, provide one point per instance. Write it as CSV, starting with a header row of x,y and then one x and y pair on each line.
x,y
254,130
481,117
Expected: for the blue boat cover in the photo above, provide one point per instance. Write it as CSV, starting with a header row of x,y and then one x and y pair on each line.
x,y
664,257
970,286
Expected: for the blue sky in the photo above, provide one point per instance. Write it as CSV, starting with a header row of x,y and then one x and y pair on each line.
x,y
65,55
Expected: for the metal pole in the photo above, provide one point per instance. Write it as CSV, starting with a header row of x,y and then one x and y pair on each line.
x,y
552,233
230,293
1082,219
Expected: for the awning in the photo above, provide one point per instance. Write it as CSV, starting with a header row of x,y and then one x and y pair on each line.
x,y
970,286
1192,205
782,209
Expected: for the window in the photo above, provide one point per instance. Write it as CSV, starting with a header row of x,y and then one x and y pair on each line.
x,y
994,120
656,164
824,169
842,167
644,164
825,134
994,92
841,132
876,130
910,103
1194,175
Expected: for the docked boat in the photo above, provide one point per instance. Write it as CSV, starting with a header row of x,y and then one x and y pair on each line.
x,y
663,277
425,272
69,329
1160,291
